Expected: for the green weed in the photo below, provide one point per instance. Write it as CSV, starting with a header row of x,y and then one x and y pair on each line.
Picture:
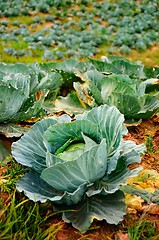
x,y
10,174
19,217
22,19
143,229
23,219
149,143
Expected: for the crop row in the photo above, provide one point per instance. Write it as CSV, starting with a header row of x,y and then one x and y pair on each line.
x,y
77,28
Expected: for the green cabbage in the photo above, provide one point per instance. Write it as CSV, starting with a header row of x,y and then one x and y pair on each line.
x,y
115,81
23,89
79,165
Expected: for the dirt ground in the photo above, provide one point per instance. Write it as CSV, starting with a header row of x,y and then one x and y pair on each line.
x,y
147,132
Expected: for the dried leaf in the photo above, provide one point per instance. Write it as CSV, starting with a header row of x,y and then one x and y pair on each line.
x,y
134,202
122,236
152,209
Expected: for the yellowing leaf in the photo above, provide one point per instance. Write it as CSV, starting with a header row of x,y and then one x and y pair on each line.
x,y
134,202
147,180
94,217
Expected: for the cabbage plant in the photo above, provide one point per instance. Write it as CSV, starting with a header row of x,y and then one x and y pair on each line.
x,y
115,81
126,86
23,89
79,165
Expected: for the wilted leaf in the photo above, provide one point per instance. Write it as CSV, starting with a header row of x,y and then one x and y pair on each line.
x,y
152,209
146,180
69,104
122,236
134,202
13,130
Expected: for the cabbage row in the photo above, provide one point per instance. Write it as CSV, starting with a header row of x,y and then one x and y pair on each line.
x,y
114,81
77,28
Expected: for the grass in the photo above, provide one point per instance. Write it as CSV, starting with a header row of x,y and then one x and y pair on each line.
x,y
143,229
19,217
149,58
35,57
22,19
9,174
18,45
23,219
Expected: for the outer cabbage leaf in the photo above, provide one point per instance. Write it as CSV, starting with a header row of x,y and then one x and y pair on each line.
x,y
79,101
119,65
69,104
130,65
37,189
8,69
151,72
31,108
152,84
30,150
150,104
13,130
149,197
66,70
67,66
126,87
46,78
118,169
130,98
109,207
12,95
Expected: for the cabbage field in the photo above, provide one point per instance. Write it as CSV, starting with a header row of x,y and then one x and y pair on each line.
x,y
55,30
79,120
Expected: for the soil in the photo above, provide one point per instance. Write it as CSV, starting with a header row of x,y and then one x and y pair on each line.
x,y
147,132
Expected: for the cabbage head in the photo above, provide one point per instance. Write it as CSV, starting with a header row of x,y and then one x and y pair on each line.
x,y
79,165
23,89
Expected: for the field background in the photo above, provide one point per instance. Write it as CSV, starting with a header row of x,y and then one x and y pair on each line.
x,y
40,31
